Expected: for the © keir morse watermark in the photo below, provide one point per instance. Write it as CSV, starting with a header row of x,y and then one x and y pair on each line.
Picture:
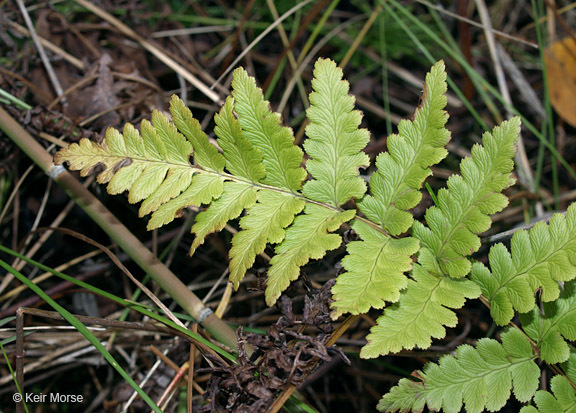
x,y
47,398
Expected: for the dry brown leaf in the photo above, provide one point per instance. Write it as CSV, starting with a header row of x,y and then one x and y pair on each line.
x,y
560,60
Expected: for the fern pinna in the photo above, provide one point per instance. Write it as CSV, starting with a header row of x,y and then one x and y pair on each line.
x,y
418,273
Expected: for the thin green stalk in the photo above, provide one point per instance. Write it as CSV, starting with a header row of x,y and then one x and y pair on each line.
x,y
84,331
165,278
13,99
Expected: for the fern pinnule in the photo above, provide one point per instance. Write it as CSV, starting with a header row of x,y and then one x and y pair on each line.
x,y
400,173
464,207
561,398
375,266
335,146
309,237
264,223
422,313
202,190
263,128
242,158
538,259
553,327
480,377
335,142
205,153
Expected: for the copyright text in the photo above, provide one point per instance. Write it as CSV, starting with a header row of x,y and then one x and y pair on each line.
x,y
47,398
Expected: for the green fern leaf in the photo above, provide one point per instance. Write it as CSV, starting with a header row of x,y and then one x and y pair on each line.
x,y
263,128
335,146
175,179
421,313
540,258
307,238
202,190
375,271
480,377
463,209
205,154
236,197
335,143
563,398
264,223
153,167
557,324
242,158
418,145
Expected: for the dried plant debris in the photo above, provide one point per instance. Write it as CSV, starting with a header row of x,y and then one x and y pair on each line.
x,y
286,355
158,382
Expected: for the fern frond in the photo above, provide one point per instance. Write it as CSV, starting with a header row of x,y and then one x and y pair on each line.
x,y
263,128
264,223
419,144
375,266
153,166
374,273
480,377
464,207
422,312
334,141
308,238
539,258
335,146
205,153
462,212
556,325
236,197
562,399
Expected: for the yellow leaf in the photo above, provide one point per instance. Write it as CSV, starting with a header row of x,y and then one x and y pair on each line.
x,y
560,60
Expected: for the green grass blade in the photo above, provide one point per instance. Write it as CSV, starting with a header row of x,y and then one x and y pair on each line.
x,y
475,77
13,375
82,330
125,303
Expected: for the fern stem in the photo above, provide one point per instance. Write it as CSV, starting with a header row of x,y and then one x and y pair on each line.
x,y
165,278
258,185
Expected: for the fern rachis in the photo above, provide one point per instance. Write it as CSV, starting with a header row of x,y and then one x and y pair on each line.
x,y
418,274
